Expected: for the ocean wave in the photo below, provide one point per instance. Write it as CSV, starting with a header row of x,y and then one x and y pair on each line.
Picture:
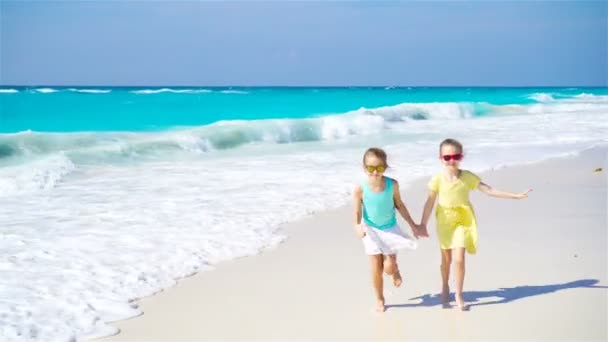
x,y
228,134
242,92
568,98
169,90
186,91
37,174
90,91
590,98
224,135
46,90
8,91
542,97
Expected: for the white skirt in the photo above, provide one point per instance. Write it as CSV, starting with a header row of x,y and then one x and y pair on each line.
x,y
386,241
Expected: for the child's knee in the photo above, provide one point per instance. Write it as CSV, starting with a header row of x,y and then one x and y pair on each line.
x,y
390,272
390,268
446,261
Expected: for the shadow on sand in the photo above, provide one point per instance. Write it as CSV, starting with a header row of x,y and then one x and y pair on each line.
x,y
505,295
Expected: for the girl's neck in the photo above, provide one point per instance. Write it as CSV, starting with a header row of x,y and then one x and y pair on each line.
x,y
375,182
452,172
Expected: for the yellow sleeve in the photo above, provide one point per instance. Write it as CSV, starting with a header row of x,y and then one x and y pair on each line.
x,y
472,180
434,184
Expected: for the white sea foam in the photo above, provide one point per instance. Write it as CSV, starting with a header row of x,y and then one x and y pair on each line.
x,y
46,90
91,91
169,90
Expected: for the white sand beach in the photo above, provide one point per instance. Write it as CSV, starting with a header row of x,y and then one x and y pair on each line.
x,y
540,274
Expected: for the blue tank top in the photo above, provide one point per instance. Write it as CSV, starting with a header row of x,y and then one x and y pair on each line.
x,y
379,207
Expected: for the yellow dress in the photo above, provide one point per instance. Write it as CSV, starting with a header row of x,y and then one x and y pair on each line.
x,y
456,223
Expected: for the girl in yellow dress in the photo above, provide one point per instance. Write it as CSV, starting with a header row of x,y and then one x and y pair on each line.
x,y
456,224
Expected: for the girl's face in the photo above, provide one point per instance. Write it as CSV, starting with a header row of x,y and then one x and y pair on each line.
x,y
450,156
374,167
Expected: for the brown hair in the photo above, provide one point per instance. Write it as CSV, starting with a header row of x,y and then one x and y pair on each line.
x,y
451,142
378,153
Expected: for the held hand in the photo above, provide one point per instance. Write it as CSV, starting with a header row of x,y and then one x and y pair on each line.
x,y
415,231
360,231
423,231
419,231
523,194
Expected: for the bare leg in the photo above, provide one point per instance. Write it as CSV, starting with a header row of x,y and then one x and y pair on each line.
x,y
460,270
392,268
446,261
389,264
377,264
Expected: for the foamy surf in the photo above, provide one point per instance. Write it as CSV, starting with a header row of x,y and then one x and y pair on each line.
x,y
169,90
46,90
91,91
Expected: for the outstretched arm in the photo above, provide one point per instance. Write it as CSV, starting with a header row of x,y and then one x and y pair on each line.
x,y
490,191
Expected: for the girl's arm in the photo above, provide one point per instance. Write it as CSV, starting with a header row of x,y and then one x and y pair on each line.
x,y
488,190
428,208
358,199
400,206
402,209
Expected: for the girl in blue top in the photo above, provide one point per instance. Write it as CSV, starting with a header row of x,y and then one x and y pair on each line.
x,y
376,200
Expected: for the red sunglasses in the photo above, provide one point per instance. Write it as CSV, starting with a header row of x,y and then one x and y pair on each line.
x,y
448,157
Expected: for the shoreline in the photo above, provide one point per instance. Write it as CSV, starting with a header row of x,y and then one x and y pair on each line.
x,y
249,291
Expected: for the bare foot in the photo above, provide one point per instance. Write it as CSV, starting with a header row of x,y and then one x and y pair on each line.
x,y
461,304
397,280
380,305
445,294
